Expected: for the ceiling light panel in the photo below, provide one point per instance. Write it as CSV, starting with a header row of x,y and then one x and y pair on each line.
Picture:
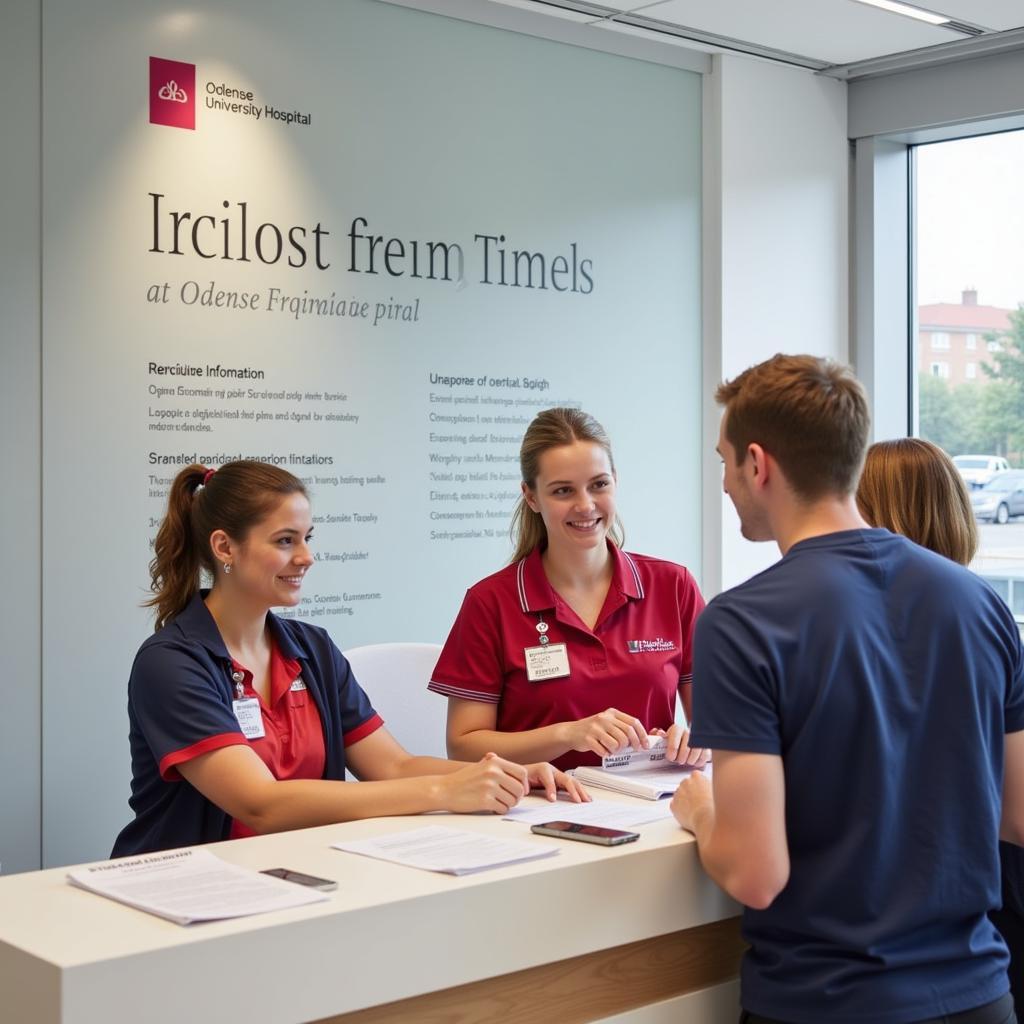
x,y
834,31
907,11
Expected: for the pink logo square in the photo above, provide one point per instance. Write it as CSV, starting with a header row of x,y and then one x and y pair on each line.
x,y
172,93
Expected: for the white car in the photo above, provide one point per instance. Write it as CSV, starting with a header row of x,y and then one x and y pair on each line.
x,y
978,470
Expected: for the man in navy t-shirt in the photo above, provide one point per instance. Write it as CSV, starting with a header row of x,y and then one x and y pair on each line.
x,y
864,699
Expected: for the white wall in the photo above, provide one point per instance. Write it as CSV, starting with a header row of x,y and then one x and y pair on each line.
x,y
20,444
776,246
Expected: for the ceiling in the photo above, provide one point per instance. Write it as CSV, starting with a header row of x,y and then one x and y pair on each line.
x,y
819,34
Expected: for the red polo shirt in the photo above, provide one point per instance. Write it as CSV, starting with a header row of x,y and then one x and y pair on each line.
x,y
293,747
634,659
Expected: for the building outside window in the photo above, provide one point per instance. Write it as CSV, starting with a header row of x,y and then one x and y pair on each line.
x,y
951,321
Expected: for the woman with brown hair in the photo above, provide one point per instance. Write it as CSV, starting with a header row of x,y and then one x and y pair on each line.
x,y
242,722
911,486
577,648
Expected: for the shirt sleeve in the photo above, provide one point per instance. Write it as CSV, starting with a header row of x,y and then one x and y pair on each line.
x,y
691,604
358,717
178,707
471,665
735,698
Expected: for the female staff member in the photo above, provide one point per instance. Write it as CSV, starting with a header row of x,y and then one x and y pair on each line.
x,y
577,648
910,486
243,722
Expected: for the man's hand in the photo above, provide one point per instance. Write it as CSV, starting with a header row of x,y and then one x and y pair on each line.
x,y
693,800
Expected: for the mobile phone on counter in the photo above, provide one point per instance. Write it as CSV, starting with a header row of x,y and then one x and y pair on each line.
x,y
585,833
312,881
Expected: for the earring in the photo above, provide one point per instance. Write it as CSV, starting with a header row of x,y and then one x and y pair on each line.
x,y
227,567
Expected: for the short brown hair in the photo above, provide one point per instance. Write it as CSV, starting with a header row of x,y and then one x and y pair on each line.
x,y
911,486
810,414
552,428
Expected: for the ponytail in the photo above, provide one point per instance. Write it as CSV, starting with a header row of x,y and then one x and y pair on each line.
x,y
174,570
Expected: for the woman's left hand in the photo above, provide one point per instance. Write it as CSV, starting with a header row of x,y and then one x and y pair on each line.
x,y
679,751
548,778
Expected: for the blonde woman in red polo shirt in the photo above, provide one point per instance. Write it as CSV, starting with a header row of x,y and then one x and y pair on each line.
x,y
577,648
243,722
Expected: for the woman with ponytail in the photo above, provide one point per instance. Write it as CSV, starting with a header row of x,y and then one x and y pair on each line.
x,y
242,722
577,648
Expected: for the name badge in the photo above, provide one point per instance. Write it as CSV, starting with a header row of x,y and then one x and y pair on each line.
x,y
250,718
544,663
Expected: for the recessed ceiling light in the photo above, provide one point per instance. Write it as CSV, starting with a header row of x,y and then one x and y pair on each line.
x,y
908,11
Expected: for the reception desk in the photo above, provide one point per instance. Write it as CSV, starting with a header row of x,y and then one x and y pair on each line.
x,y
636,934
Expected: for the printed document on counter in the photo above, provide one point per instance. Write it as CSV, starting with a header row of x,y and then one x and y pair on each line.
x,y
449,850
608,813
186,886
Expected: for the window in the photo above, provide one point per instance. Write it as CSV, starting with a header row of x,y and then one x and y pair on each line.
x,y
970,283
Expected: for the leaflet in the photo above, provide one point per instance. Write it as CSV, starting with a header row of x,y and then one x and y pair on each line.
x,y
186,886
449,850
608,813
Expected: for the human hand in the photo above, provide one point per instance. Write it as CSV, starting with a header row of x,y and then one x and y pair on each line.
x,y
547,777
693,796
606,733
491,784
678,749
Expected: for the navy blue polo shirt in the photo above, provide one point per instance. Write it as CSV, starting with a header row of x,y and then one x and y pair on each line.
x,y
179,706
886,677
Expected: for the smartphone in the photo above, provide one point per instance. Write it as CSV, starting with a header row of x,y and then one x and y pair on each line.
x,y
585,833
323,884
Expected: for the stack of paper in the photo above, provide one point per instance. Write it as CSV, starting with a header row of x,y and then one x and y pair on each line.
x,y
643,773
190,885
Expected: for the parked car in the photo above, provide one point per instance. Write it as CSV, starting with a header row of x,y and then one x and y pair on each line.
x,y
1001,498
977,470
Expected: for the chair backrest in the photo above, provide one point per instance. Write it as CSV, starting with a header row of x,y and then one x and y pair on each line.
x,y
395,678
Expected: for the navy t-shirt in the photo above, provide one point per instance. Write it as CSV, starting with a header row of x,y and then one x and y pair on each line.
x,y
886,677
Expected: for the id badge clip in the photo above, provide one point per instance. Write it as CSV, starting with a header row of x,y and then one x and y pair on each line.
x,y
247,710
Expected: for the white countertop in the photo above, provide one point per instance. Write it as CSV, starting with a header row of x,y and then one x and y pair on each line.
x,y
387,932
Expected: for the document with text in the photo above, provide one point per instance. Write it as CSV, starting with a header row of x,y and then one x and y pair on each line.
x,y
609,813
186,886
449,850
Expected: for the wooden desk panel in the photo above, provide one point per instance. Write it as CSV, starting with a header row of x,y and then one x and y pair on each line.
x,y
581,989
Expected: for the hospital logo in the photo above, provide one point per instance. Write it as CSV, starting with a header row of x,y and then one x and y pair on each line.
x,y
646,646
172,93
